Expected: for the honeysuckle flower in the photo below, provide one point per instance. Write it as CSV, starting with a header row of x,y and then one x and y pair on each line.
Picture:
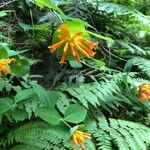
x,y
74,43
78,138
4,65
144,90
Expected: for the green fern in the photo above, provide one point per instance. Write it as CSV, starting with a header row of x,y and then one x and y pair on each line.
x,y
123,16
39,134
97,93
109,134
129,49
142,64
124,135
25,147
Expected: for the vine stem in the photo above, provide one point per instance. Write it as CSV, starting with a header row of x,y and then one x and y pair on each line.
x,y
66,123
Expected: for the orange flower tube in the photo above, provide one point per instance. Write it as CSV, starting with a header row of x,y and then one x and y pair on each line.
x,y
74,43
4,65
78,138
144,91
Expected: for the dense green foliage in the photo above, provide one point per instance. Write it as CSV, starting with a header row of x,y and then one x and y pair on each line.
x,y
41,101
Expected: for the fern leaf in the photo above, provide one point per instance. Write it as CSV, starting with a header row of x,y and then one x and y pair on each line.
x,y
95,93
125,135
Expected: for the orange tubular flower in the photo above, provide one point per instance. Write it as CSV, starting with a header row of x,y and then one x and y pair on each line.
x,y
145,91
3,65
79,137
73,43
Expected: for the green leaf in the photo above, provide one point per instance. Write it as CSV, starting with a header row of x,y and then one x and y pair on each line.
x,y
75,64
75,113
101,37
24,94
20,68
19,115
53,97
48,114
100,63
5,105
3,54
49,4
5,47
41,92
128,66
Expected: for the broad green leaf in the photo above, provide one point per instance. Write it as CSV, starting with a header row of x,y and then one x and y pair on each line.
x,y
73,27
101,37
3,53
19,115
75,64
10,53
75,113
48,114
5,105
20,68
53,97
41,92
49,4
24,94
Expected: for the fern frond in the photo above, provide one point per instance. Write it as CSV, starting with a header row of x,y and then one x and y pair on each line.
x,y
25,147
96,93
62,103
124,135
103,140
39,135
143,64
124,17
130,49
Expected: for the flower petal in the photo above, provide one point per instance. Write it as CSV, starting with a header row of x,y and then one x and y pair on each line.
x,y
89,43
64,54
64,30
145,91
89,51
74,141
55,46
4,63
75,54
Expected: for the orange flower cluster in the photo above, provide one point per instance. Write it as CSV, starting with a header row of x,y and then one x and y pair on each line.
x,y
79,137
73,43
3,65
145,91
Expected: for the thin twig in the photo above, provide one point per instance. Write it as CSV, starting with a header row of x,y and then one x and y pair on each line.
x,y
7,3
114,54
